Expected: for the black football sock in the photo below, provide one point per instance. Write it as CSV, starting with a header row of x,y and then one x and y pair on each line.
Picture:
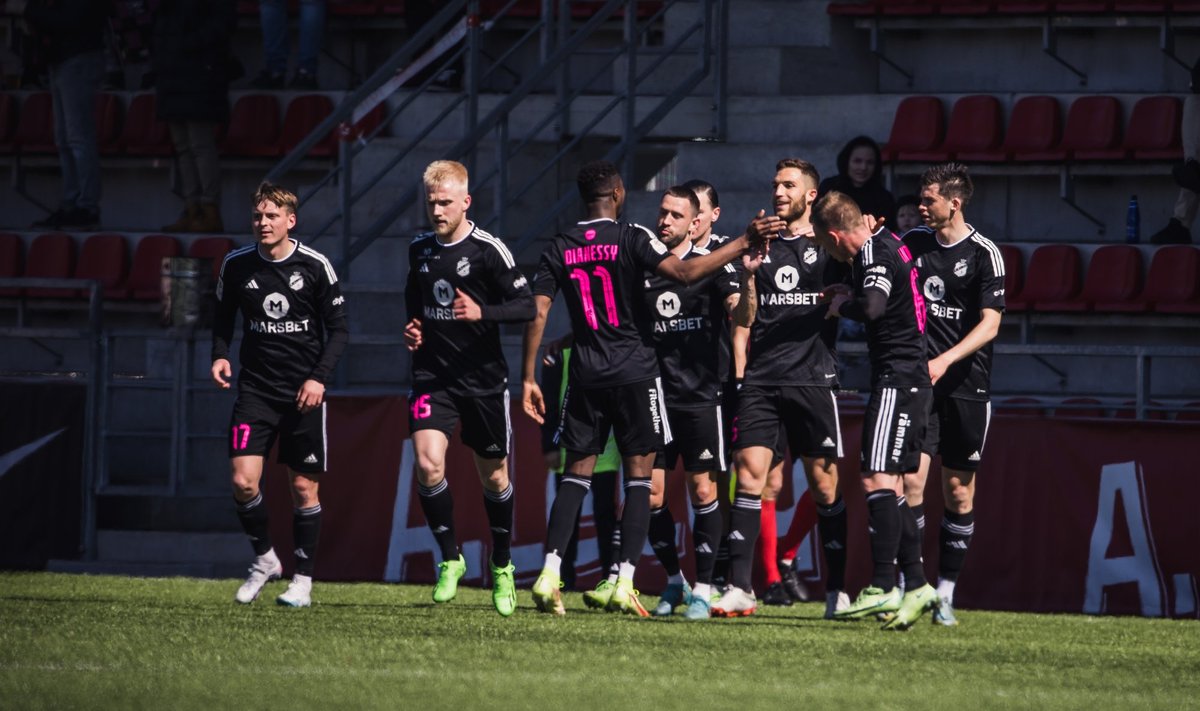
x,y
954,539
831,524
306,530
662,539
499,508
706,536
883,522
909,553
438,505
564,512
745,520
253,516
635,520
604,517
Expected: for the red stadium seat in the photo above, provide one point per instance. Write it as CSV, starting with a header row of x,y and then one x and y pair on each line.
x,y
1114,278
145,276
1029,7
1034,127
1173,280
918,126
51,256
854,9
1080,407
109,112
303,115
1014,273
1092,131
105,258
1020,407
11,251
35,125
8,121
253,127
1052,279
354,8
144,134
1129,409
1082,6
1153,131
1147,6
967,7
976,130
214,248
906,7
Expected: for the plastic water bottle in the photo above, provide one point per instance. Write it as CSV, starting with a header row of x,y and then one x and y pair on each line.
x,y
1133,222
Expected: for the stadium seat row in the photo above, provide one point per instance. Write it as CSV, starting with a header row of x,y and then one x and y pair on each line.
x,y
103,257
254,128
1035,130
913,8
1052,280
1093,407
580,9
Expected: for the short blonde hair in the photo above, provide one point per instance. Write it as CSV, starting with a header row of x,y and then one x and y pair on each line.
x,y
836,211
445,171
277,194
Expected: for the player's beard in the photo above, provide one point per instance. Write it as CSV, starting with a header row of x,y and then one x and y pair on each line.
x,y
671,241
447,229
796,210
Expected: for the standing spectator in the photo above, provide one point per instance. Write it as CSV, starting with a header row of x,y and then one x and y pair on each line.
x,y
274,17
71,35
1187,175
191,65
858,176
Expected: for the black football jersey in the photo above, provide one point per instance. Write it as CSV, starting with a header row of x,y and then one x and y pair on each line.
x,y
895,340
463,357
791,341
724,339
293,319
958,282
687,323
601,267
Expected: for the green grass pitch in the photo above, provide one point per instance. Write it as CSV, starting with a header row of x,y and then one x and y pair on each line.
x,y
98,642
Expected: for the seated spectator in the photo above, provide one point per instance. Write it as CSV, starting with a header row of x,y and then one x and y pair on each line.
x,y
858,176
1187,175
908,214
273,15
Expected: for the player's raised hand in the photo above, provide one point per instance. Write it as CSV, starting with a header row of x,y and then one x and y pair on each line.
x,y
221,373
765,227
466,308
412,334
753,259
532,402
872,222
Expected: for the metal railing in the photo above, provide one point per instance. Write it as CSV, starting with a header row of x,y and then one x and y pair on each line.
x,y
558,41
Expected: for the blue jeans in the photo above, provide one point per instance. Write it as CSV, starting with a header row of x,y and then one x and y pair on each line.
x,y
273,16
73,86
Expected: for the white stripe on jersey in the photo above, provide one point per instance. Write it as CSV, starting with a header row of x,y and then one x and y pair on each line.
x,y
235,253
320,258
883,429
649,234
883,284
868,252
993,250
495,242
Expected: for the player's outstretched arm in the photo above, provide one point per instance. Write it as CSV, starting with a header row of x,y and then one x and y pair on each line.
x,y
761,229
983,333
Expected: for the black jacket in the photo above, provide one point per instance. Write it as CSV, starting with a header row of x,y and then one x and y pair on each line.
x,y
66,28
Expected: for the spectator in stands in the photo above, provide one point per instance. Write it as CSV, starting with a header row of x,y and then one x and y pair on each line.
x,y
908,214
71,34
858,176
274,17
1187,175
191,66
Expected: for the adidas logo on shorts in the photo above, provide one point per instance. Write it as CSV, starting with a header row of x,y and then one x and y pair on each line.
x,y
828,442
706,454
493,448
736,536
310,459
974,457
704,548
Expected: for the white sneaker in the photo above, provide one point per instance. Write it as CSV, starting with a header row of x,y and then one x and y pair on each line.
x,y
266,568
735,603
835,601
298,593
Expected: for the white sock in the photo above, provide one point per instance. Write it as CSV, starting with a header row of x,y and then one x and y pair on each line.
x,y
676,579
612,578
702,591
553,564
305,580
626,571
945,590
901,583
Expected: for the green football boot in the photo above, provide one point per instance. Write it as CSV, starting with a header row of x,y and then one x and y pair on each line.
x,y
449,573
504,590
871,601
914,604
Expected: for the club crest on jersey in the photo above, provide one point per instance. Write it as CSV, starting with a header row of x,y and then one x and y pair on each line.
x,y
443,292
787,278
935,288
295,281
668,304
960,268
463,267
810,255
276,305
